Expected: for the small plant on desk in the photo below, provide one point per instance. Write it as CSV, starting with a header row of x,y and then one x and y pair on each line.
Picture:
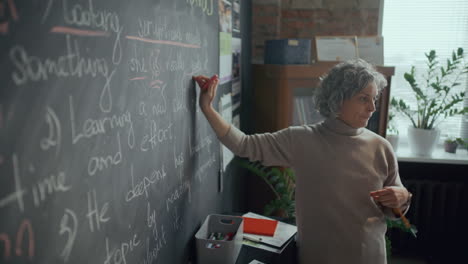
x,y
282,181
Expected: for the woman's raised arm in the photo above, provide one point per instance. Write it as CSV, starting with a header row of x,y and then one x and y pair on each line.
x,y
208,88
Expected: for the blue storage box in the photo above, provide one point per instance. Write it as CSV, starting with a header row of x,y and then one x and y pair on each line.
x,y
287,51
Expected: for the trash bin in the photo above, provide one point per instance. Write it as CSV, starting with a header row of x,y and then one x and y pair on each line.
x,y
211,251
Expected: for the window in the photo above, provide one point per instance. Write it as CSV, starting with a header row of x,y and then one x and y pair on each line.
x,y
412,28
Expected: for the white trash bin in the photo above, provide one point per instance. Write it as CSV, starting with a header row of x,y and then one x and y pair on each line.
x,y
218,251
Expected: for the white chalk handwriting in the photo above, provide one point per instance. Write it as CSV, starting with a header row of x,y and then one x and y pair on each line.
x,y
177,194
96,216
203,143
205,5
89,16
48,186
201,172
142,186
54,137
68,225
19,192
119,254
156,136
99,163
93,127
28,68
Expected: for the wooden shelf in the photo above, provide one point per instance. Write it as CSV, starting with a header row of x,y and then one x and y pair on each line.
x,y
274,93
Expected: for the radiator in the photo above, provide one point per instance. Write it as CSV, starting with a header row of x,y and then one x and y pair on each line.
x,y
439,210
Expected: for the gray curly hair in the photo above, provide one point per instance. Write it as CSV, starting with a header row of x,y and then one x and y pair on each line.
x,y
342,82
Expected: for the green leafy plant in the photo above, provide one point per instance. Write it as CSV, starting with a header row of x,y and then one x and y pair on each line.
x,y
281,181
391,127
397,224
451,144
459,141
434,96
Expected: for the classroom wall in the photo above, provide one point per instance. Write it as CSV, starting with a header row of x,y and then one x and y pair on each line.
x,y
275,19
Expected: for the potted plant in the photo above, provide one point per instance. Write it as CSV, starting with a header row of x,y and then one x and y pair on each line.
x,y
392,131
451,144
397,224
435,100
282,181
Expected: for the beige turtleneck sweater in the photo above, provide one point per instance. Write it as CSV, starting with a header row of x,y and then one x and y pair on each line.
x,y
336,167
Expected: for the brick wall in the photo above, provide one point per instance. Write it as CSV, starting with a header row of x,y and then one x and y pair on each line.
x,y
266,22
274,19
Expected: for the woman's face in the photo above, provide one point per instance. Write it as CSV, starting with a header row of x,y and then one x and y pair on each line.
x,y
357,110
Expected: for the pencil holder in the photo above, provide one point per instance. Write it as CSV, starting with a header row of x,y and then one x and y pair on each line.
x,y
211,251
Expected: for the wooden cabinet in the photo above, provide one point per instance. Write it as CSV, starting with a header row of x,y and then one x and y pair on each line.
x,y
275,87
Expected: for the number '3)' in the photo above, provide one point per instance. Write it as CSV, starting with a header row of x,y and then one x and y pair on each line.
x,y
69,225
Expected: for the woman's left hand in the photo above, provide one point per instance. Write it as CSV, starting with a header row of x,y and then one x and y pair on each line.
x,y
391,196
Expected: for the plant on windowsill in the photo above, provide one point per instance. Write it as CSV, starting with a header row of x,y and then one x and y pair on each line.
x,y
435,100
392,131
451,144
282,181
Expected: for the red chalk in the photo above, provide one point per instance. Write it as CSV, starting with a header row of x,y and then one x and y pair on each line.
x,y
208,83
198,80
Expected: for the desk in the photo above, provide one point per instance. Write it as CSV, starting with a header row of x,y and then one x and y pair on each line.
x,y
288,256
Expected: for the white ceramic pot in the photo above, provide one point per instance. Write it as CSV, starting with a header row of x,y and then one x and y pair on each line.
x,y
393,139
422,141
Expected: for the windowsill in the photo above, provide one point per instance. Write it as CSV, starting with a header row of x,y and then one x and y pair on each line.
x,y
438,156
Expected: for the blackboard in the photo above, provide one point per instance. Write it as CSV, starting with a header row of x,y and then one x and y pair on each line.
x,y
104,155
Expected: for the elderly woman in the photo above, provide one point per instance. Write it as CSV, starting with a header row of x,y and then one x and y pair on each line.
x,y
347,176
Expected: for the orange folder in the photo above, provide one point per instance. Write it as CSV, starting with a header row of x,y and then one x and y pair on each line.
x,y
257,226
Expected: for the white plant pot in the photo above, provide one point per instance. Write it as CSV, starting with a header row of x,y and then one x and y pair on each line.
x,y
393,139
422,141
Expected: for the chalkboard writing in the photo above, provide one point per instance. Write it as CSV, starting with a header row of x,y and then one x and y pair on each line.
x,y
104,155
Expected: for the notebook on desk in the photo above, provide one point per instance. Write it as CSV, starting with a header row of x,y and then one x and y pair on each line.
x,y
282,234
257,226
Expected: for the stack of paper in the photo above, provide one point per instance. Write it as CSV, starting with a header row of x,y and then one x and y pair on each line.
x,y
276,243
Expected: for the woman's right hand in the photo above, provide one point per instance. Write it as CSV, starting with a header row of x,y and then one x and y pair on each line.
x,y
208,88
